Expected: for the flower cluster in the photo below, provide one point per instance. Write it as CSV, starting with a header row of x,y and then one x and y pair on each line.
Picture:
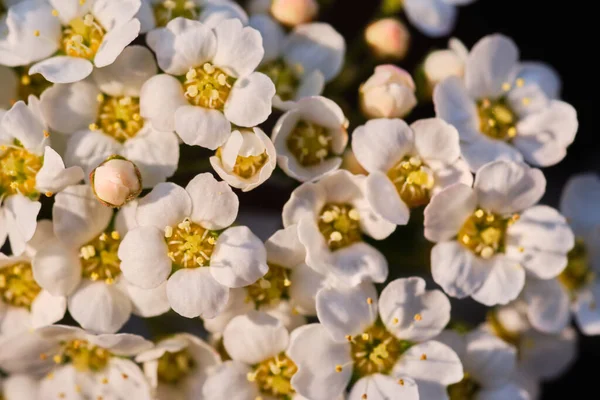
x,y
117,119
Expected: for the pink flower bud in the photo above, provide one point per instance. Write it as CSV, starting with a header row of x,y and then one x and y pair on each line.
x,y
294,12
388,38
388,93
442,64
116,181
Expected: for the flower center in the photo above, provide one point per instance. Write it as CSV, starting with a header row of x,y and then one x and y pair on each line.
x,y
99,259
168,10
577,274
413,181
83,355
18,169
82,37
173,367
340,225
190,245
30,84
284,78
376,351
271,288
463,390
247,167
17,286
207,86
309,143
273,376
119,117
484,233
496,119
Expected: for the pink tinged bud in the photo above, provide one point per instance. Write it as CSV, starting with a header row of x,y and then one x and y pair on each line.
x,y
294,12
388,93
442,64
116,181
388,38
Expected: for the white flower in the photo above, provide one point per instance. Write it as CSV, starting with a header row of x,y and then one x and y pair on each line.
x,y
158,13
29,167
19,387
286,292
70,37
332,215
434,18
183,239
209,83
294,12
259,366
23,303
383,346
490,365
116,181
178,366
103,115
506,109
388,38
83,263
79,364
388,93
490,235
310,138
408,165
300,63
441,64
577,289
246,160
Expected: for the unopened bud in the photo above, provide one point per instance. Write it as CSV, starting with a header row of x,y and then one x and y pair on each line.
x,y
388,38
116,181
388,93
442,64
294,12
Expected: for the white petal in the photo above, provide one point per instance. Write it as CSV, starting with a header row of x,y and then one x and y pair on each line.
x,y
481,150
285,249
20,386
548,356
586,310
383,387
507,391
436,140
447,175
578,203
166,205
111,13
87,149
542,75
63,69
454,105
306,201
57,270
68,10
214,13
198,126
385,200
322,111
507,187
99,307
239,258
120,344
306,284
381,143
15,321
503,284
239,48
249,102
255,337
371,222
440,365
347,311
421,314
215,205
47,309
125,77
21,123
148,302
489,66
236,305
115,41
195,293
160,97
489,360
317,355
181,45
272,33
435,18
447,212
548,305
135,386
53,176
143,255
71,107
230,381
78,216
20,215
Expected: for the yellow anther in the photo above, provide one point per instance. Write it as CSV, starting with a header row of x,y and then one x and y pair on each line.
x,y
338,368
335,236
369,300
100,98
55,13
287,283
395,321
168,231
191,74
349,338
354,214
487,252
506,86
423,356
365,336
526,101
401,382
104,381
520,82
418,317
93,127
36,33
208,68
57,359
479,213
48,194
43,356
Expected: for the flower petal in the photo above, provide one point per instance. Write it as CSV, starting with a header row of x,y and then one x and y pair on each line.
x,y
160,97
381,387
436,140
115,41
47,309
481,150
214,204
22,124
20,214
435,18
53,176
71,107
454,105
385,200
57,270
503,284
230,381
250,100
63,69
586,310
447,212
144,260
239,48
490,360
272,33
148,302
195,293
432,362
198,126
166,205
548,305
285,249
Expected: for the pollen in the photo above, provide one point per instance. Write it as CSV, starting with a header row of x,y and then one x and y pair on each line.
x,y
18,171
83,355
496,119
17,286
82,37
309,143
273,376
207,86
338,226
99,259
190,245
484,233
167,10
284,77
413,180
271,288
418,317
119,117
173,367
423,357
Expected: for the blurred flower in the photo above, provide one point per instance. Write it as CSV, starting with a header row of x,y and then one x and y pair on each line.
x,y
310,138
294,12
332,215
246,160
116,181
383,347
490,235
434,18
408,165
506,109
210,82
19,387
388,93
184,239
388,38
441,64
